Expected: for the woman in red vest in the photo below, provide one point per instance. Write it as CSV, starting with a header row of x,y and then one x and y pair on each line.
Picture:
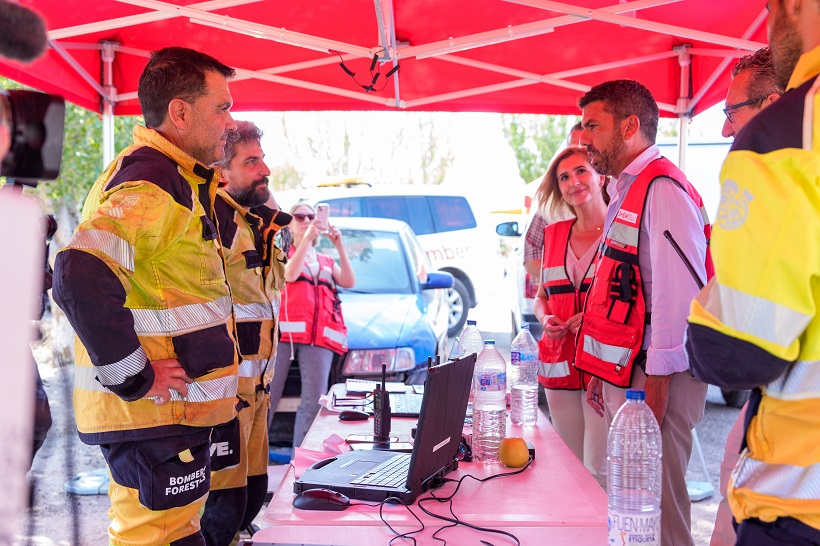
x,y
310,320
571,188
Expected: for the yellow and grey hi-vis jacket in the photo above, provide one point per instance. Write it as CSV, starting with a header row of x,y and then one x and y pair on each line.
x,y
256,273
757,323
143,279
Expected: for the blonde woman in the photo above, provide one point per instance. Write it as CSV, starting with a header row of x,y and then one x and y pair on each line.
x,y
571,187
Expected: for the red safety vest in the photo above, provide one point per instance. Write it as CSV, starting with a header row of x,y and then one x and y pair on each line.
x,y
315,315
556,369
611,332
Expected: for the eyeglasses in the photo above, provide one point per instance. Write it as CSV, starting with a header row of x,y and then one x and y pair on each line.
x,y
301,217
729,111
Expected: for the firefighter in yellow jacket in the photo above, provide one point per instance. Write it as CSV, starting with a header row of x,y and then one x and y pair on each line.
x,y
757,323
143,284
256,273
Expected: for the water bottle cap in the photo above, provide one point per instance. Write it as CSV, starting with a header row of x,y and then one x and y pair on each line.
x,y
635,394
525,325
471,323
490,342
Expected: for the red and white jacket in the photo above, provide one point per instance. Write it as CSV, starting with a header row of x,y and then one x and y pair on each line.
x,y
611,332
556,369
311,310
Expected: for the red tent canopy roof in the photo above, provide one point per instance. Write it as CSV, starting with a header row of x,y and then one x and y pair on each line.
x,y
521,56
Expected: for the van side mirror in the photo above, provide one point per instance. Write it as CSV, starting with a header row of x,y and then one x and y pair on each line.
x,y
438,279
508,229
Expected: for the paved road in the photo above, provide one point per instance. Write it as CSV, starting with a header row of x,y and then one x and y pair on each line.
x,y
494,321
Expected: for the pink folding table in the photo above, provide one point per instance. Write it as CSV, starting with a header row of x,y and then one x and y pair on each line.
x,y
555,501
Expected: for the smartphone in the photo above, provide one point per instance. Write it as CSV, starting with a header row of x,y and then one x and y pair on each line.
x,y
405,447
365,439
322,214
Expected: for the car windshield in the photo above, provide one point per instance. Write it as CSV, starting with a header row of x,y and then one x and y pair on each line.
x,y
378,259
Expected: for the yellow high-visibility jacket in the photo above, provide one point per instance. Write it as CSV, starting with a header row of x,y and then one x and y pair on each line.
x,y
256,273
143,279
757,323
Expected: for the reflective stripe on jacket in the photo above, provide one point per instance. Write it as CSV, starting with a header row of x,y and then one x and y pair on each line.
x,y
611,332
256,274
757,324
557,356
142,279
312,310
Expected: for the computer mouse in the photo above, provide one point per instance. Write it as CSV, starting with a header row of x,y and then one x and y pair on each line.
x,y
320,499
354,415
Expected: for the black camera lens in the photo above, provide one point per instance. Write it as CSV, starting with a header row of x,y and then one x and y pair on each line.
x,y
35,122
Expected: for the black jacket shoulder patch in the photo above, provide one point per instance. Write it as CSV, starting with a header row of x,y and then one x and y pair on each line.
x,y
149,164
225,221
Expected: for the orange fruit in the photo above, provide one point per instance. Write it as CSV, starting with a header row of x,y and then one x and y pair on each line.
x,y
513,452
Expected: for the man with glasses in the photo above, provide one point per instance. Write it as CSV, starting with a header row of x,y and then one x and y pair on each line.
x,y
756,324
754,86
752,76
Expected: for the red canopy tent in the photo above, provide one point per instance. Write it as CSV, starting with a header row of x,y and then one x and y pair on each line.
x,y
522,56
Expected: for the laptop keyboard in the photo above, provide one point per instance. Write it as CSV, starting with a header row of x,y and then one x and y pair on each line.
x,y
409,404
390,473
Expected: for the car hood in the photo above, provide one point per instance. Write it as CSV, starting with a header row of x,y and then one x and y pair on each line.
x,y
376,321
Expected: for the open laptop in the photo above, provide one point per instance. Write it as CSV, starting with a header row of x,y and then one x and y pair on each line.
x,y
376,475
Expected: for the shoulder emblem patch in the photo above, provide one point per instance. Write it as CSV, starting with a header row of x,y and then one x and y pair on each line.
x,y
627,216
734,205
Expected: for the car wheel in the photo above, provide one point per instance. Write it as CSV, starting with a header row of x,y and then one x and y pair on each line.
x,y
459,300
736,399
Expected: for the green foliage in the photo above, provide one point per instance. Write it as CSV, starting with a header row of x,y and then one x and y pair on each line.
x,y
535,139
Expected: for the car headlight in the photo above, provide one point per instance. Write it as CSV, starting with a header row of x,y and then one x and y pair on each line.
x,y
369,361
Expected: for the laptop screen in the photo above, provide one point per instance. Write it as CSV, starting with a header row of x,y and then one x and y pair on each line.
x,y
441,420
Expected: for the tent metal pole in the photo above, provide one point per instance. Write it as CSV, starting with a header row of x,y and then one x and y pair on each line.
x,y
759,20
130,20
652,26
684,96
108,100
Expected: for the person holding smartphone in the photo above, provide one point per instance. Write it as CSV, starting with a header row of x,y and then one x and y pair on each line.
x,y
311,324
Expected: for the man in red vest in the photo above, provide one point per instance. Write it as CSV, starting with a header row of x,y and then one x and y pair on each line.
x,y
635,312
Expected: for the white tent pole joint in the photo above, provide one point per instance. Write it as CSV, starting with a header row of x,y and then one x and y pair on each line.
x,y
685,63
109,100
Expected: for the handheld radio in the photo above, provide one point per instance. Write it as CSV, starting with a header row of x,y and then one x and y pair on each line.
x,y
381,411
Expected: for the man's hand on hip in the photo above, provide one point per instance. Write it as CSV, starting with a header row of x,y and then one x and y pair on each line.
x,y
168,375
657,395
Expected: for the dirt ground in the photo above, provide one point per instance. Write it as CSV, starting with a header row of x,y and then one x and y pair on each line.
x,y
56,517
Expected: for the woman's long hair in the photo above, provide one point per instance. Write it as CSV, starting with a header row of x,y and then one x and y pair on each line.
x,y
550,202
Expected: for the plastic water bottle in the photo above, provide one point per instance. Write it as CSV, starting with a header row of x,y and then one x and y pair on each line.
x,y
469,342
490,404
634,474
524,378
